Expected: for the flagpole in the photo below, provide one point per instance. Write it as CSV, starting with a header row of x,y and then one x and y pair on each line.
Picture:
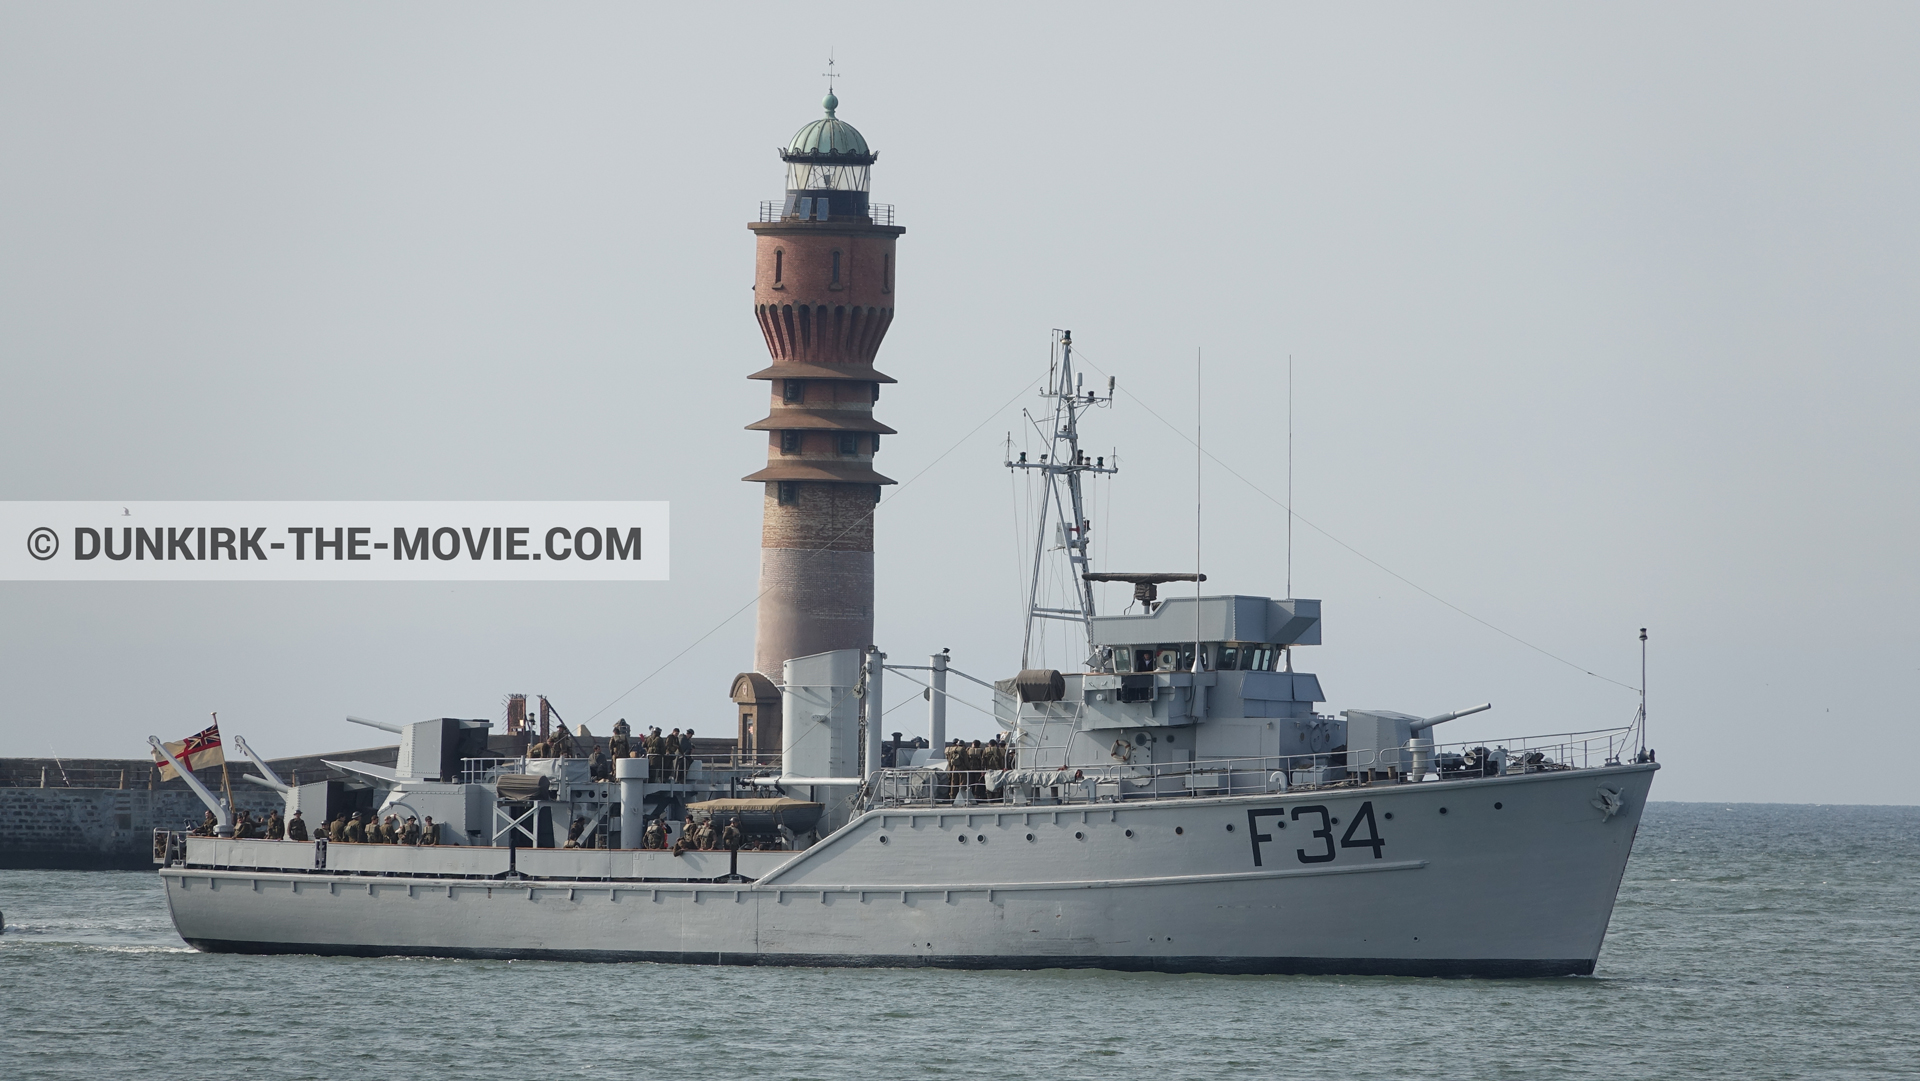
x,y
226,785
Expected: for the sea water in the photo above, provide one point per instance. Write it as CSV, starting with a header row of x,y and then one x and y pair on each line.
x,y
1750,941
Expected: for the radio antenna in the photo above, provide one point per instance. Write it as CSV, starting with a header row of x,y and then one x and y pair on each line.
x,y
1289,476
1199,457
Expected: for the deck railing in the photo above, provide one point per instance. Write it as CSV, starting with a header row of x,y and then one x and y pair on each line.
x,y
1215,777
707,768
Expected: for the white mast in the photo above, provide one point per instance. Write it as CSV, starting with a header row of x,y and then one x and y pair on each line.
x,y
1061,504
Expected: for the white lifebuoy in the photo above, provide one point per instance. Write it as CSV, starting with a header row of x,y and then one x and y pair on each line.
x,y
1122,751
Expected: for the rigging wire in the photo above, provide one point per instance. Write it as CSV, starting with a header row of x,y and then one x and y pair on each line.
x,y
735,614
1376,563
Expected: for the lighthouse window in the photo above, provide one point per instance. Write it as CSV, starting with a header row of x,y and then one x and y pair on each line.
x,y
836,267
793,390
886,274
849,443
790,442
876,442
789,492
779,264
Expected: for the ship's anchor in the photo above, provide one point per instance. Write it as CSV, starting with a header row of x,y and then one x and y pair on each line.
x,y
1608,802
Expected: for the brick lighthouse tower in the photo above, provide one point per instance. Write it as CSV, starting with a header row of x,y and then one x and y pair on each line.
x,y
823,293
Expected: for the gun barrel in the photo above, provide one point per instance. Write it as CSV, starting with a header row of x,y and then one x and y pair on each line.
x,y
384,727
1422,726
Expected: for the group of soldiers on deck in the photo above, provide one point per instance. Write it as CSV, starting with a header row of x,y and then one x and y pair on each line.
x,y
363,827
701,836
967,764
359,828
668,756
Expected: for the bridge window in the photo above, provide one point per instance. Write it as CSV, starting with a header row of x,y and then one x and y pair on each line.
x,y
1229,658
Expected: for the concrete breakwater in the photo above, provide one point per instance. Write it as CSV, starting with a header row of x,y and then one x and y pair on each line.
x,y
84,819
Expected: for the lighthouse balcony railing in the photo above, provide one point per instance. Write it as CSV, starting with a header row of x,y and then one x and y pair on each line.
x,y
776,210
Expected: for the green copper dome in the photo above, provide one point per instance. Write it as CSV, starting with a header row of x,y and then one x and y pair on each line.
x,y
829,136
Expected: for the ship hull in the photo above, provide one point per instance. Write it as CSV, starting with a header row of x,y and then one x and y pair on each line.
x,y
1498,876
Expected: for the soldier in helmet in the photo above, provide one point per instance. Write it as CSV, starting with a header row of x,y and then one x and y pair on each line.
x,y
655,747
410,831
732,836
952,753
620,744
429,832
276,827
356,830
656,834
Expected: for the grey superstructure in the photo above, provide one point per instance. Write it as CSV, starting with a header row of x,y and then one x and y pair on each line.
x,y
1178,803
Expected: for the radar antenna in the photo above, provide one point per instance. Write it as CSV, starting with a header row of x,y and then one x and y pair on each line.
x,y
1062,507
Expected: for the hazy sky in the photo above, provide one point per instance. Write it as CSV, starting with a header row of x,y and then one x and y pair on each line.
x,y
1602,317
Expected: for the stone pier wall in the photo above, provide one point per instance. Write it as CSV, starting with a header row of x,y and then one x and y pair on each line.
x,y
101,828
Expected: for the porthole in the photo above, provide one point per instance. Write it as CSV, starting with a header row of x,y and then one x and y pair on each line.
x,y
981,837
1170,740
1178,830
1078,836
1389,815
883,839
1229,827
1443,810
1499,806
963,838
1142,739
1029,836
1129,833
1336,821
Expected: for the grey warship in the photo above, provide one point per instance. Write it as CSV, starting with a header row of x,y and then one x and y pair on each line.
x,y
1178,805
1176,801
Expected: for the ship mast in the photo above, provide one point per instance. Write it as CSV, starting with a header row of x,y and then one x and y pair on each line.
x,y
1061,504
